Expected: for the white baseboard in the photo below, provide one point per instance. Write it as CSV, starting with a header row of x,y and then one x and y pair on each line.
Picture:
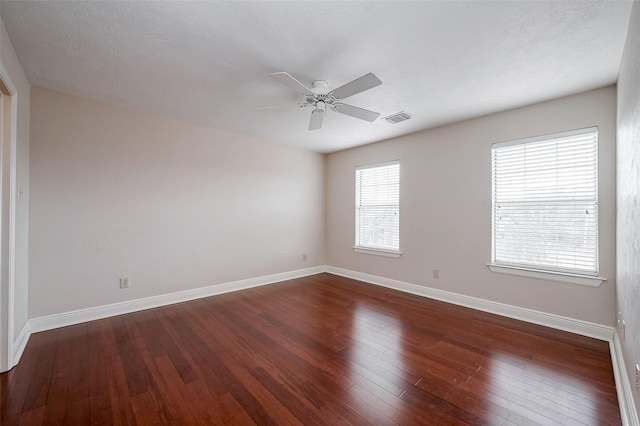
x,y
64,319
50,322
628,411
583,328
19,344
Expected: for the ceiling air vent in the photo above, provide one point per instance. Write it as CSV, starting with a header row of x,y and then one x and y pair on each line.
x,y
398,117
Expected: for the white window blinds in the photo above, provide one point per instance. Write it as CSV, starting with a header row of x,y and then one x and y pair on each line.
x,y
378,207
545,202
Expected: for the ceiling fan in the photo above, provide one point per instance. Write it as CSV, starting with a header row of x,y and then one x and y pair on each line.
x,y
321,98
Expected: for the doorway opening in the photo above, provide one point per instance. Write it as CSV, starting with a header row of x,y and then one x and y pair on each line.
x,y
7,219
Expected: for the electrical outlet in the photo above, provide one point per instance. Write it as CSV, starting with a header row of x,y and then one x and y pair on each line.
x,y
638,377
124,282
304,257
436,273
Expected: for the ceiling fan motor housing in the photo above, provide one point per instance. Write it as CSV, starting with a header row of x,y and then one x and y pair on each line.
x,y
320,87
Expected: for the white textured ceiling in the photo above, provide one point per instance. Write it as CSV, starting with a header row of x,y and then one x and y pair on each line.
x,y
209,62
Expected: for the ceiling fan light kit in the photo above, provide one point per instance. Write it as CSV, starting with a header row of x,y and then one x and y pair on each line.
x,y
317,115
321,98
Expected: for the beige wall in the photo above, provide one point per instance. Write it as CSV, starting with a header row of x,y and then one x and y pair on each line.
x,y
628,197
445,207
172,205
10,64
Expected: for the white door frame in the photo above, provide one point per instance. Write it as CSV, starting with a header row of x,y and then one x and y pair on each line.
x,y
8,144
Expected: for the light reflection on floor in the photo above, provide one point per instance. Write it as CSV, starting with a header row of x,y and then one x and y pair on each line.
x,y
513,385
375,356
376,353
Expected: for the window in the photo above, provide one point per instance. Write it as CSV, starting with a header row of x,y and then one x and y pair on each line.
x,y
378,208
545,203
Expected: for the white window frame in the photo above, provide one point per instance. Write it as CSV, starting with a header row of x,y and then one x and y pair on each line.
x,y
529,268
377,249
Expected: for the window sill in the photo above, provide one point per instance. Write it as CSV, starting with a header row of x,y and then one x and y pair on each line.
x,y
385,253
585,280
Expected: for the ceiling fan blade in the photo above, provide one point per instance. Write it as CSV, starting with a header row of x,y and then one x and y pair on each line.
x,y
358,85
361,113
288,80
316,119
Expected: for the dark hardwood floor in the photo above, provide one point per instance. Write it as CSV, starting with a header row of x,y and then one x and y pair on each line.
x,y
320,350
